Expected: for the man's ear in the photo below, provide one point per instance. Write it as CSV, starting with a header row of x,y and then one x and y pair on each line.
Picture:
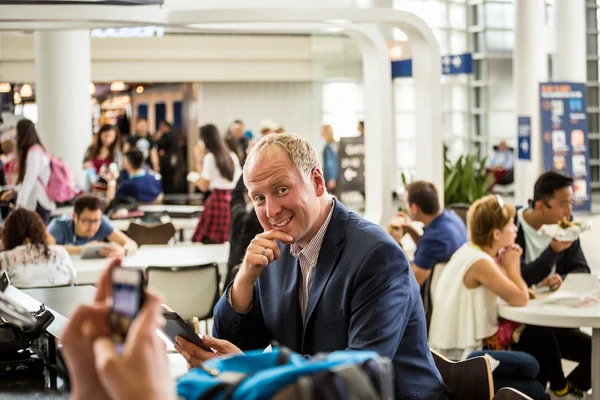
x,y
318,181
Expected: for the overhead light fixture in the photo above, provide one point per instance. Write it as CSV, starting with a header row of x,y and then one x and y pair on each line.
x,y
118,86
17,98
26,90
139,89
4,87
92,88
396,53
338,21
334,29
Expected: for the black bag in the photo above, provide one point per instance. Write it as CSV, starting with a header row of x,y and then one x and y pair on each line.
x,y
13,339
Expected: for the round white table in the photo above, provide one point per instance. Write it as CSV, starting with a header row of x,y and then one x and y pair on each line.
x,y
88,271
558,316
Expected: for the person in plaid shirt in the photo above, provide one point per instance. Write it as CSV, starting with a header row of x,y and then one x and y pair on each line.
x,y
219,170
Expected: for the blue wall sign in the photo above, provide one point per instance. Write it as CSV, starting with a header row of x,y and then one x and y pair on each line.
x,y
451,65
524,138
565,136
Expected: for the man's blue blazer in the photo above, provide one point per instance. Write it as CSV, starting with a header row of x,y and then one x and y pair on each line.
x,y
363,297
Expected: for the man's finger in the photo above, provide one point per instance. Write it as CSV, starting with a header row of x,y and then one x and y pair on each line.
x,y
193,354
276,235
103,288
220,345
259,244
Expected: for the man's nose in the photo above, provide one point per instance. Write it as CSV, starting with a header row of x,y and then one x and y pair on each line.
x,y
273,208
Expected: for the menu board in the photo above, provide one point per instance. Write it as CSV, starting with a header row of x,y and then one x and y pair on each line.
x,y
565,136
351,161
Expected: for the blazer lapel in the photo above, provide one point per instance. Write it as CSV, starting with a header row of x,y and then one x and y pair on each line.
x,y
290,305
326,264
328,256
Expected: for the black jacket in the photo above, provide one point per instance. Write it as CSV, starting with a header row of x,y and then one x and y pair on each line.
x,y
244,227
570,260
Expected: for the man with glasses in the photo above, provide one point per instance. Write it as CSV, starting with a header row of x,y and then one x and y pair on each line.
x,y
88,224
546,261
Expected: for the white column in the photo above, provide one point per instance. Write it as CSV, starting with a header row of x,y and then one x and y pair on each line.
x,y
570,57
379,159
530,67
63,74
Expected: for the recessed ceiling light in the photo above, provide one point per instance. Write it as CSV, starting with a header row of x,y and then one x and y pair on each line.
x,y
139,89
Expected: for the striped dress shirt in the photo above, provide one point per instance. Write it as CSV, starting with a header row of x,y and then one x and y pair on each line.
x,y
308,257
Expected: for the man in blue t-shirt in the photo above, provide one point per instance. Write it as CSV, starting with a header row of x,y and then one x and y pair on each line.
x,y
444,231
141,185
86,225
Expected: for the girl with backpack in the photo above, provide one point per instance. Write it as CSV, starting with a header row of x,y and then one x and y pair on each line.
x,y
34,172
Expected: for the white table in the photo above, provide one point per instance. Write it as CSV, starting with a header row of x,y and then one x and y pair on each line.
x,y
558,316
157,208
88,271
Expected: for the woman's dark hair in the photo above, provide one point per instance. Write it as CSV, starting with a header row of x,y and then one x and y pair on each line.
x,y
21,225
216,145
97,142
26,138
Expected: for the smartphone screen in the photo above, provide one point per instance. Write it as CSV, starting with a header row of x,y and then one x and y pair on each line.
x,y
128,296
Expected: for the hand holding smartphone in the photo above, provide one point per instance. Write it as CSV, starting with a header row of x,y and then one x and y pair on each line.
x,y
176,326
128,298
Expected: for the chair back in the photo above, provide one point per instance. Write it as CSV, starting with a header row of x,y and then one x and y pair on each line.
x,y
190,291
468,379
151,234
510,394
428,290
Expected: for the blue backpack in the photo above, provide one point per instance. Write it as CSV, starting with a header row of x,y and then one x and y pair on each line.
x,y
283,375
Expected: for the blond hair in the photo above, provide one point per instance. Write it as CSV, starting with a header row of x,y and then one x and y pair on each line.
x,y
485,216
299,150
328,133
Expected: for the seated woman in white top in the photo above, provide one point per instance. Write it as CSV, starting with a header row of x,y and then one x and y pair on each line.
x,y
27,258
465,310
473,279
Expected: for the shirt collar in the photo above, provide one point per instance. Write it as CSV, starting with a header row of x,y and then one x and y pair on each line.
x,y
315,243
139,174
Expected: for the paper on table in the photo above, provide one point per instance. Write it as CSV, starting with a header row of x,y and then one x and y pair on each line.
x,y
578,290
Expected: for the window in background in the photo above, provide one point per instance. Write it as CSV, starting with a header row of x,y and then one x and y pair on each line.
x,y
160,114
142,111
343,107
177,114
27,110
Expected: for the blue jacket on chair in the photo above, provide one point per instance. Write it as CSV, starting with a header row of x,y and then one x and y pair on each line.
x,y
363,297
